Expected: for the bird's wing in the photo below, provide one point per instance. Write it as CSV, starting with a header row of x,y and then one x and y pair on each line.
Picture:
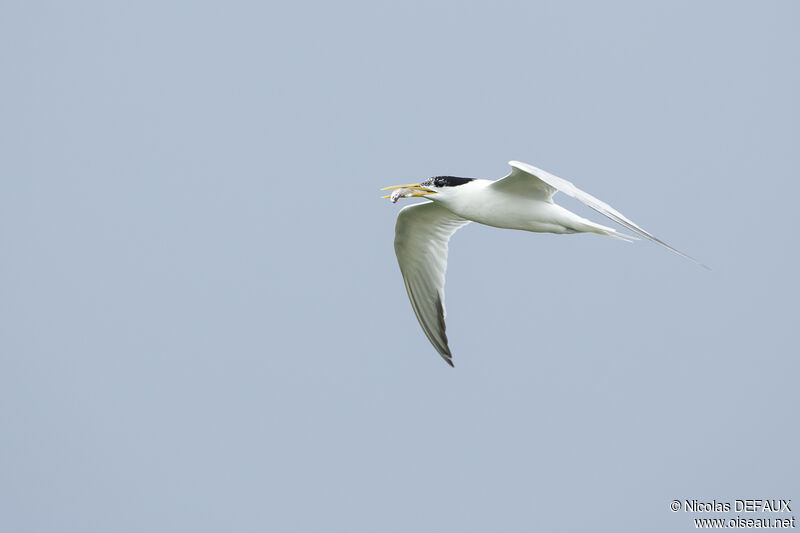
x,y
420,242
528,180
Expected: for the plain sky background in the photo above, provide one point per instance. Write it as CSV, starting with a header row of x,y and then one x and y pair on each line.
x,y
203,326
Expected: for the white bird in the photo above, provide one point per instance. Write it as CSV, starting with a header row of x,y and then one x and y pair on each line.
x,y
522,200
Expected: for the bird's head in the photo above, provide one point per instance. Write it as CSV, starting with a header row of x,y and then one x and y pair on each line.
x,y
431,186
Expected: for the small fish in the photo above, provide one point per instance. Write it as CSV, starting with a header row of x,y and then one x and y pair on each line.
x,y
401,193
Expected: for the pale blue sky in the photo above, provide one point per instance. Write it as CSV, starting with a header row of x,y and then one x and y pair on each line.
x,y
203,326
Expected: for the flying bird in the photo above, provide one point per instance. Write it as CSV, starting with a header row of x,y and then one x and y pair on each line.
x,y
523,200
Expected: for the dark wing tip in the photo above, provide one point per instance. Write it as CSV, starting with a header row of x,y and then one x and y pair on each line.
x,y
446,354
444,351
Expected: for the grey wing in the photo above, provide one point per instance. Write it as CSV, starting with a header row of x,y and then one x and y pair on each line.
x,y
522,182
525,177
421,236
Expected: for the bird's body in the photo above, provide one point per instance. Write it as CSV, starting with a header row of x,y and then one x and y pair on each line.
x,y
522,201
478,201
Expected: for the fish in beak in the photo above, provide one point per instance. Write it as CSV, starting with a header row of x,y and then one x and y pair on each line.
x,y
406,191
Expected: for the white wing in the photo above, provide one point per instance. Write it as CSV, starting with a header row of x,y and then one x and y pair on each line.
x,y
420,242
527,180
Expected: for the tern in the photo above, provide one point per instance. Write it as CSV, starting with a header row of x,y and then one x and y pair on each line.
x,y
523,200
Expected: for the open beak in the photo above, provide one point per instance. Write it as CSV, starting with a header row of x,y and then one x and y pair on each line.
x,y
418,190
